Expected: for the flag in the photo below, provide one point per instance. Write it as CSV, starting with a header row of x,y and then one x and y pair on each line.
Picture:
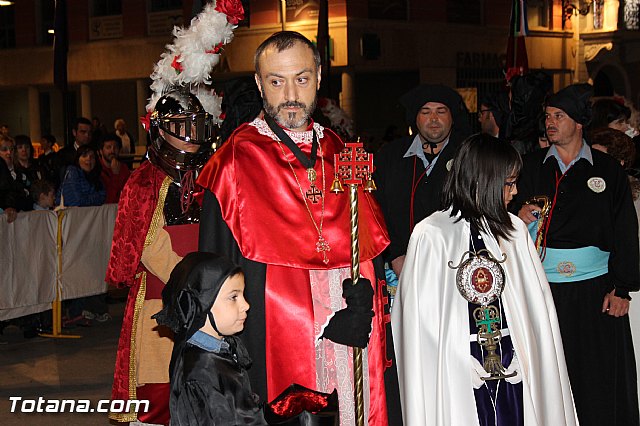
x,y
60,45
517,61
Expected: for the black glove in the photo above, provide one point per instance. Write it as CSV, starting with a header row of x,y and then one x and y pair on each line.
x,y
351,326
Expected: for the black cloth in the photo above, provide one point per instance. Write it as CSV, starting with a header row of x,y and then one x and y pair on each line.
x,y
583,217
7,192
64,158
215,236
351,326
598,348
47,163
575,100
214,390
522,126
13,190
191,291
395,175
33,173
599,353
414,99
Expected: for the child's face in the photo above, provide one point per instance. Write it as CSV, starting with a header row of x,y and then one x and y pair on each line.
x,y
230,308
47,200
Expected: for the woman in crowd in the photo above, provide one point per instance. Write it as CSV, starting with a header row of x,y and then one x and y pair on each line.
x,y
475,329
611,113
14,193
24,160
82,185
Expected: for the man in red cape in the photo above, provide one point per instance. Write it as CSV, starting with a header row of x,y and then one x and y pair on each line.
x,y
157,224
267,206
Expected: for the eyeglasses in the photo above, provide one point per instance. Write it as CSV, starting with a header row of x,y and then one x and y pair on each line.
x,y
6,148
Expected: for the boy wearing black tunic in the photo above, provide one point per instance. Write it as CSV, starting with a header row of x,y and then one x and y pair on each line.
x,y
204,305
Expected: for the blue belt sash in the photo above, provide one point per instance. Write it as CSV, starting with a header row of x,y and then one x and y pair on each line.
x,y
570,265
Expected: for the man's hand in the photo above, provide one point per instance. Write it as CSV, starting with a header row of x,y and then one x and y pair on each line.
x,y
11,214
526,213
115,165
397,264
614,305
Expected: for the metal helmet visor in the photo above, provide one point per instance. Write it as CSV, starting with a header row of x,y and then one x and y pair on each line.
x,y
196,128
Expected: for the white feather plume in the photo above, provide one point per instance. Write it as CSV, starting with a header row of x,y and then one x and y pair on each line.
x,y
197,50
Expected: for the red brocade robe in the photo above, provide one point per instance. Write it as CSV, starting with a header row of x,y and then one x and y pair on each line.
x,y
260,201
140,214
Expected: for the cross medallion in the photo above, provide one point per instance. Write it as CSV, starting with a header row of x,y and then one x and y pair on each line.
x,y
322,246
353,164
486,316
314,194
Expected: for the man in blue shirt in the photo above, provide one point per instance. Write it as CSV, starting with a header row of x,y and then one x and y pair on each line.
x,y
589,251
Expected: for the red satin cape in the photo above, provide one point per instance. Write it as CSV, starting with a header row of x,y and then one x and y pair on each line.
x,y
261,203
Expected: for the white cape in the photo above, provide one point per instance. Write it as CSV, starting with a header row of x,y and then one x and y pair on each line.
x,y
430,323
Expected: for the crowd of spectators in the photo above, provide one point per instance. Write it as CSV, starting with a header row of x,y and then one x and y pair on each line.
x,y
87,171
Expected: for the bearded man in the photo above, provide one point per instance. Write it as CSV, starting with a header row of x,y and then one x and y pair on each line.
x,y
114,173
410,172
268,207
588,243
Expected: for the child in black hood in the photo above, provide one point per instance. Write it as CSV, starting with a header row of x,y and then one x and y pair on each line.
x,y
205,307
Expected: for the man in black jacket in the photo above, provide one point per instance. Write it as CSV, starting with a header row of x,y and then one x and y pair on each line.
x,y
589,250
410,171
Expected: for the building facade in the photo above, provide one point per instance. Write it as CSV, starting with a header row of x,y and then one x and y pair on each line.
x,y
379,50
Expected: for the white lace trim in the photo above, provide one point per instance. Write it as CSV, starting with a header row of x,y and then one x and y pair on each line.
x,y
298,137
334,362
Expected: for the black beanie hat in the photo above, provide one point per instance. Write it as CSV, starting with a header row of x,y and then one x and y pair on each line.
x,y
575,101
414,99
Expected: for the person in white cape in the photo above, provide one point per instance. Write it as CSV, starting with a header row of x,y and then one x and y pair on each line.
x,y
442,365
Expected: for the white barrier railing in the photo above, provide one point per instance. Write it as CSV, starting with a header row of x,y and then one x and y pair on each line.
x,y
45,252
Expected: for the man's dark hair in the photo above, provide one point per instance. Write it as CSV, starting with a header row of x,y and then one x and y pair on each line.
x,y
475,185
109,137
284,40
24,140
81,120
50,138
40,187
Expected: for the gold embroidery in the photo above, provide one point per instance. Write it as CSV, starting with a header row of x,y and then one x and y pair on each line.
x,y
133,382
156,220
158,213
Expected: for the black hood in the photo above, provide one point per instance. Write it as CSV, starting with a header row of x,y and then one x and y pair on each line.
x,y
191,291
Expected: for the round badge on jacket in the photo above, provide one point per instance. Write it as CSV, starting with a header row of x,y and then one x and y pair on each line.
x,y
597,184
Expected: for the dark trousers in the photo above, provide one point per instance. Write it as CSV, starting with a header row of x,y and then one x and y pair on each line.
x,y
599,353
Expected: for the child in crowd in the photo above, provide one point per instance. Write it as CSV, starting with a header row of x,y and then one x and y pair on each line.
x,y
44,195
204,305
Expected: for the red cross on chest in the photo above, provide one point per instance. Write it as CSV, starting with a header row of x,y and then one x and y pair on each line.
x,y
353,164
